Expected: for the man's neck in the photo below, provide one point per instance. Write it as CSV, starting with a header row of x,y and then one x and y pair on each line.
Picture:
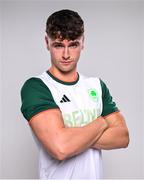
x,y
64,76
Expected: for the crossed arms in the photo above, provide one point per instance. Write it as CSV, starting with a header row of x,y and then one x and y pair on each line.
x,y
62,142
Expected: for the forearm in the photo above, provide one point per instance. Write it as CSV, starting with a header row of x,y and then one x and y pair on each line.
x,y
76,140
62,142
112,138
67,142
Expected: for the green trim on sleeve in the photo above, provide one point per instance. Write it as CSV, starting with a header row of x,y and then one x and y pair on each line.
x,y
109,106
36,97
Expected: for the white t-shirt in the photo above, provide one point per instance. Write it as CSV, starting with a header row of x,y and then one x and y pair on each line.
x,y
80,102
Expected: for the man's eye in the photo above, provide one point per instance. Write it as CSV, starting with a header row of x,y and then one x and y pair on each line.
x,y
58,46
73,45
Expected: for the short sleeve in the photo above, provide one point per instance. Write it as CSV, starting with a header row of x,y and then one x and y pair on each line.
x,y
109,106
36,97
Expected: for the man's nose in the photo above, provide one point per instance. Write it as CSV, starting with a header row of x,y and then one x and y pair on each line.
x,y
66,54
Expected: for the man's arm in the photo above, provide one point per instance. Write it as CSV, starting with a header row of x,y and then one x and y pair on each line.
x,y
63,142
116,136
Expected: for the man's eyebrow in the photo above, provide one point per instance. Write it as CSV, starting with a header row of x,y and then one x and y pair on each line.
x,y
74,43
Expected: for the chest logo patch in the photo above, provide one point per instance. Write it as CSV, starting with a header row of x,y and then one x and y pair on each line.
x,y
93,94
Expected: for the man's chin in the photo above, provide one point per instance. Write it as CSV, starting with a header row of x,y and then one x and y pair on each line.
x,y
66,71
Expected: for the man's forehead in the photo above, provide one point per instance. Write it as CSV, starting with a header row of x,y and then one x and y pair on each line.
x,y
65,40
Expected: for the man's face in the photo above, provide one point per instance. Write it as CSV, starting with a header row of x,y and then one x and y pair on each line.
x,y
64,53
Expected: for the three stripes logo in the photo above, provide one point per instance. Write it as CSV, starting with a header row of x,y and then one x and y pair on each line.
x,y
64,99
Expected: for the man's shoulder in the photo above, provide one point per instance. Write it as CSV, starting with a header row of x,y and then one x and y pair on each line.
x,y
36,97
34,82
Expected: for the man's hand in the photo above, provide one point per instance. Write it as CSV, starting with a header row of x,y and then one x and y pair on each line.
x,y
116,136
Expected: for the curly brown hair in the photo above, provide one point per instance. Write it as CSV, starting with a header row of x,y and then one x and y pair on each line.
x,y
64,24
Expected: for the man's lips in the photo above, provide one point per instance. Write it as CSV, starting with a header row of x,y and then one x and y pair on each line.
x,y
66,62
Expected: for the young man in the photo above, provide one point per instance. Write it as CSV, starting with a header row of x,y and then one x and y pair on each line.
x,y
72,116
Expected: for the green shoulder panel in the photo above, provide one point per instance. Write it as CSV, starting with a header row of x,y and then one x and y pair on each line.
x,y
109,106
36,97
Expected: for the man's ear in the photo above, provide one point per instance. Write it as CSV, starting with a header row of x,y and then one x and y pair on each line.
x,y
47,41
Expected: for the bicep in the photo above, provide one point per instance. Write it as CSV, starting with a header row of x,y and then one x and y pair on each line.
x,y
46,126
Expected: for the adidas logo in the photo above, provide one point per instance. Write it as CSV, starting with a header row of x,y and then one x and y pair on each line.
x,y
65,99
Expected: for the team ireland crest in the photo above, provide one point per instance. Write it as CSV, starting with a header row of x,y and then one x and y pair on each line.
x,y
93,94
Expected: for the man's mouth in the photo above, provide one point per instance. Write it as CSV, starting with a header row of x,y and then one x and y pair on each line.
x,y
66,62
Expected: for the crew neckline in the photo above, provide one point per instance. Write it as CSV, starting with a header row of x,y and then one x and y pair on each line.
x,y
63,82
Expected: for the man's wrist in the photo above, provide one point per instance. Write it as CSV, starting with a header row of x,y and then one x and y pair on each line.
x,y
100,126
103,123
